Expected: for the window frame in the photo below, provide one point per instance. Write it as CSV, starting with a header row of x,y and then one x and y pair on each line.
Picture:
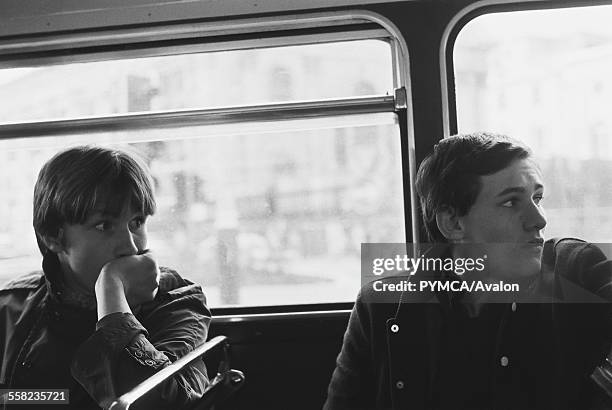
x,y
459,20
294,29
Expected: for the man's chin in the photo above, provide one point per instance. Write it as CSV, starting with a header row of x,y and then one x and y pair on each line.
x,y
529,268
522,268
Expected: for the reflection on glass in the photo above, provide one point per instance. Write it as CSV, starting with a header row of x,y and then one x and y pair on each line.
x,y
257,213
544,77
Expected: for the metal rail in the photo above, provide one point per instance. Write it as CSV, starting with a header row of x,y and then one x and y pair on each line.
x,y
114,36
182,118
126,400
30,57
289,316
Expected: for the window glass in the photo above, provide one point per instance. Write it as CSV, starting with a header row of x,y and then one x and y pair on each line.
x,y
258,213
198,80
544,77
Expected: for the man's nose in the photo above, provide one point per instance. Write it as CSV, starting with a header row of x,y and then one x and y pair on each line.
x,y
126,245
535,219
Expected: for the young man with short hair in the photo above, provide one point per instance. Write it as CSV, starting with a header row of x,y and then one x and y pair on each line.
x,y
101,316
481,194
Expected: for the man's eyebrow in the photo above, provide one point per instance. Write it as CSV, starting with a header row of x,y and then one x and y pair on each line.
x,y
104,213
518,189
100,213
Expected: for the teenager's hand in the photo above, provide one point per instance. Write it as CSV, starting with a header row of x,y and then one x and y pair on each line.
x,y
125,283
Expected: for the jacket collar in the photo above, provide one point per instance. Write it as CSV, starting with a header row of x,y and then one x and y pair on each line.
x,y
53,276
58,292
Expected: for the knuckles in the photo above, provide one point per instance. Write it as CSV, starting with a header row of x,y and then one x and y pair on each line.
x,y
139,270
138,274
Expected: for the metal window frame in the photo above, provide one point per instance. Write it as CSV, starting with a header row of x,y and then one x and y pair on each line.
x,y
38,53
19,53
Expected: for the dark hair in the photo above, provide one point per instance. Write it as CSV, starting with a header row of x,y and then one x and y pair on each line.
x,y
450,176
75,181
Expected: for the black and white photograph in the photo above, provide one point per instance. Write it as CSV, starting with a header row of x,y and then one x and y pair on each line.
x,y
306,204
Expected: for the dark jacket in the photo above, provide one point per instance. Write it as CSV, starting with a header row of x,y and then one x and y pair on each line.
x,y
47,344
539,356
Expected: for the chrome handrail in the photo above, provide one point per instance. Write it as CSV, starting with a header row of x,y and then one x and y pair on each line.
x,y
210,116
124,401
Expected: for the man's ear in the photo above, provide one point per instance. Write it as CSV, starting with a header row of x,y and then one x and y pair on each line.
x,y
55,243
449,224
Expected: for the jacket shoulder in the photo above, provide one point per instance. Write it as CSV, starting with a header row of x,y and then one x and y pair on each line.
x,y
564,244
566,253
30,281
175,291
170,279
580,262
174,286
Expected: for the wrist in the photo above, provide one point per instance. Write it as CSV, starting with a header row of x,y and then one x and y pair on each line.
x,y
110,296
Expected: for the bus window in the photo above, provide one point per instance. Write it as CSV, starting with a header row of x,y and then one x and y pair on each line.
x,y
543,76
262,209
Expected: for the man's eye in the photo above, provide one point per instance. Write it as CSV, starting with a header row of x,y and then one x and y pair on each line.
x,y
104,226
509,203
136,223
537,199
